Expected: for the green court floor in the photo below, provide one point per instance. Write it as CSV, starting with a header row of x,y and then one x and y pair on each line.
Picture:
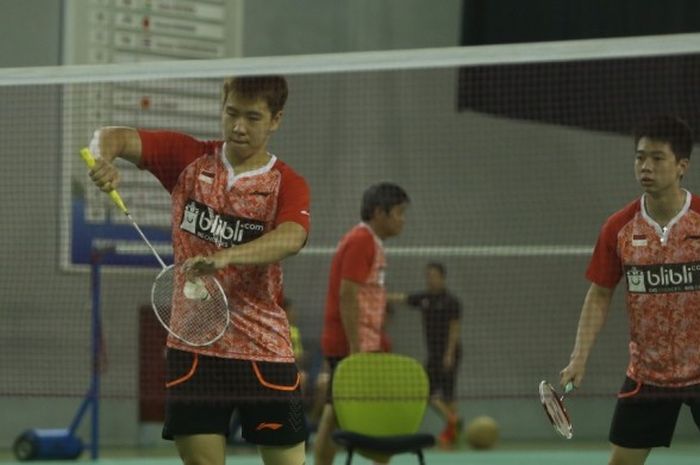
x,y
556,453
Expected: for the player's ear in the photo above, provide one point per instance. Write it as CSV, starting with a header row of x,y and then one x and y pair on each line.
x,y
378,212
275,121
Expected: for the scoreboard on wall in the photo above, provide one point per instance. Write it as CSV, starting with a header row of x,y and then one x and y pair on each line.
x,y
135,31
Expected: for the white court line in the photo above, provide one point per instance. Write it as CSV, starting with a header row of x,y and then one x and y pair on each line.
x,y
503,251
473,251
129,247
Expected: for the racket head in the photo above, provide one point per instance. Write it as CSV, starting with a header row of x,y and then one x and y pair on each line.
x,y
555,410
195,312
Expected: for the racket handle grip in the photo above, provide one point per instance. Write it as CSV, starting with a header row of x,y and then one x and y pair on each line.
x,y
569,387
113,194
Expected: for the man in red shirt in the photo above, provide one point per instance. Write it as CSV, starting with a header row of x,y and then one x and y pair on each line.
x,y
237,210
356,298
654,243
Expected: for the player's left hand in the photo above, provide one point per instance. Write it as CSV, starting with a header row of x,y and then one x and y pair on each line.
x,y
199,265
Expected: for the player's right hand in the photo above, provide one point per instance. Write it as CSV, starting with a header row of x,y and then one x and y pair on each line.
x,y
574,372
105,175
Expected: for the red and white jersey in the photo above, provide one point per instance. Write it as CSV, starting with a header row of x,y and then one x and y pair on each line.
x,y
359,257
661,267
213,208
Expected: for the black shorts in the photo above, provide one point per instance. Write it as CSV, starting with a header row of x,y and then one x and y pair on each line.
x,y
645,416
203,392
442,382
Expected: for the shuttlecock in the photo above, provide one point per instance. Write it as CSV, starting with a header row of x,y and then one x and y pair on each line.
x,y
195,290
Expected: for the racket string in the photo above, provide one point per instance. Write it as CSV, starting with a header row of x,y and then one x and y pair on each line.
x,y
560,420
555,411
198,320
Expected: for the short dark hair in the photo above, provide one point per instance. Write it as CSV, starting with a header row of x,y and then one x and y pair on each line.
x,y
437,266
669,129
272,89
384,195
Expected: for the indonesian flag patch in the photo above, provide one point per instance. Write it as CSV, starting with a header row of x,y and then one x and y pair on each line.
x,y
206,176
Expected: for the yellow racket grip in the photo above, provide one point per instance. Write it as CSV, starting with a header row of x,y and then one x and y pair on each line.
x,y
114,195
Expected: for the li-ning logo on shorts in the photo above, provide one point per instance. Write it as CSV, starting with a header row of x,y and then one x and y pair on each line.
x,y
268,425
222,230
654,279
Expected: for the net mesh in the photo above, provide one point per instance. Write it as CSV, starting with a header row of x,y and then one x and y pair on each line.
x,y
511,166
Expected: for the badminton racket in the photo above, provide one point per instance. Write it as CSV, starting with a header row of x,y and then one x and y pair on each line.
x,y
194,311
554,407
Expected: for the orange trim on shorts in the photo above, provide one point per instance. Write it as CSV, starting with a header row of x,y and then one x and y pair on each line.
x,y
632,393
182,379
278,387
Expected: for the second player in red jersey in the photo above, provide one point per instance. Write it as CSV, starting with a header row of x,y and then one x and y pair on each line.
x,y
653,246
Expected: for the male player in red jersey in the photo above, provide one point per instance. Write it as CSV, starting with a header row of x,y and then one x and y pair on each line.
x,y
356,299
237,210
654,243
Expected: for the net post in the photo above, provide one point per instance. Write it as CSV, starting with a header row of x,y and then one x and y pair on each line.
x,y
93,397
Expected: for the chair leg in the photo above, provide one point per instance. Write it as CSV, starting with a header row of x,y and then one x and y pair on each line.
x,y
348,460
421,459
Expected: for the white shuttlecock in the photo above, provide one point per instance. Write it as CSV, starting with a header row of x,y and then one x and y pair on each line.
x,y
195,290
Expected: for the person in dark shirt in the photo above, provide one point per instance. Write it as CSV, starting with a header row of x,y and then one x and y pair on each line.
x,y
441,312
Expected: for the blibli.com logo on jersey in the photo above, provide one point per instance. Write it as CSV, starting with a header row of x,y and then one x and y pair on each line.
x,y
674,277
222,230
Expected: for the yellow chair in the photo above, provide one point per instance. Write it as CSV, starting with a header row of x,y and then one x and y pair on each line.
x,y
379,401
